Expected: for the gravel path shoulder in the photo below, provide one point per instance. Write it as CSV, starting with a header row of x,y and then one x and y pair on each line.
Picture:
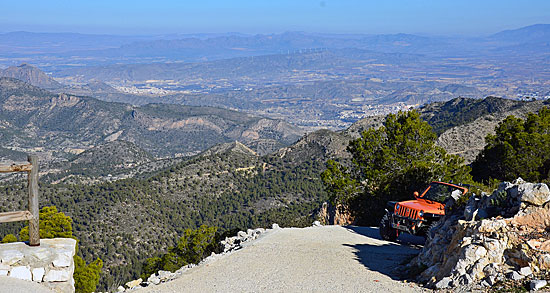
x,y
314,259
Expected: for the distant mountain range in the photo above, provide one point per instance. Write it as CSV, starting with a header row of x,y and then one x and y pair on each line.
x,y
105,49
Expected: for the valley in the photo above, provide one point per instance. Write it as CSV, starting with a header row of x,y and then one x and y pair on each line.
x,y
142,137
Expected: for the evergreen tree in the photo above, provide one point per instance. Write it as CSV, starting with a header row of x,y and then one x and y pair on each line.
x,y
519,148
390,163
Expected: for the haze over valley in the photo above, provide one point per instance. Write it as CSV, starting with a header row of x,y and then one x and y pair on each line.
x,y
311,80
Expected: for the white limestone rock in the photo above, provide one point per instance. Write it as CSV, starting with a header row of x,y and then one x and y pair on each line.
x,y
11,257
21,272
134,283
63,260
535,194
38,274
538,284
57,276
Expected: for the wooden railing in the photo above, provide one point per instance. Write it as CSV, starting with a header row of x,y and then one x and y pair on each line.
x,y
31,214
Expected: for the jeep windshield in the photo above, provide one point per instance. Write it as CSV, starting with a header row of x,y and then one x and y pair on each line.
x,y
440,192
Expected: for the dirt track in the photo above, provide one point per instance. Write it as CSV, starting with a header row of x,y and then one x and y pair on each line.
x,y
315,259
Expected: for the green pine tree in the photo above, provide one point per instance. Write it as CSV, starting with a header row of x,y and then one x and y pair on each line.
x,y
390,163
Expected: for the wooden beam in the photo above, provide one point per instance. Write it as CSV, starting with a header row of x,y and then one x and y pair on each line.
x,y
15,216
16,168
34,233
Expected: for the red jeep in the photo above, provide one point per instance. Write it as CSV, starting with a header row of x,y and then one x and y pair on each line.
x,y
417,216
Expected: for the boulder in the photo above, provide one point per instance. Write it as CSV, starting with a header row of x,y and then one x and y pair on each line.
x,y
134,283
537,284
535,194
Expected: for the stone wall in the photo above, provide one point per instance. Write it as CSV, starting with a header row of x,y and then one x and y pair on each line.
x,y
50,264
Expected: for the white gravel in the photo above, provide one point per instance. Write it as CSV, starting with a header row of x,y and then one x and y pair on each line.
x,y
315,259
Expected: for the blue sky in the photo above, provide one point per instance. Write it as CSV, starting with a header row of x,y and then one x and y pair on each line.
x,y
272,16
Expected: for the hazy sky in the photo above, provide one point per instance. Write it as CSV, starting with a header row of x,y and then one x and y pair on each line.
x,y
265,16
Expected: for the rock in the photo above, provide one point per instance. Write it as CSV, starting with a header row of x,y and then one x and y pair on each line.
x,y
23,273
11,257
491,280
443,283
242,235
545,246
316,224
63,260
275,226
515,276
57,276
465,280
491,269
38,274
538,284
166,276
535,194
120,289
134,283
153,279
544,261
525,271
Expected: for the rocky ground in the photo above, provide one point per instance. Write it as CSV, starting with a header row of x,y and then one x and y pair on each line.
x,y
499,241
314,259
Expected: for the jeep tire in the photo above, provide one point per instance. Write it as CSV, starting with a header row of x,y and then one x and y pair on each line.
x,y
386,231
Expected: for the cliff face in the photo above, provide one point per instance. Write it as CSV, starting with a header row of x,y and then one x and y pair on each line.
x,y
71,122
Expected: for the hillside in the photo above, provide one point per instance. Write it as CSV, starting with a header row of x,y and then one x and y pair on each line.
x,y
31,75
462,123
229,187
32,119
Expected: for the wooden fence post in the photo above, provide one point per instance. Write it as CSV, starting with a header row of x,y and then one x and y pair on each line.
x,y
34,233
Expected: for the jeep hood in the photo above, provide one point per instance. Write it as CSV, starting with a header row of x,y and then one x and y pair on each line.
x,y
423,205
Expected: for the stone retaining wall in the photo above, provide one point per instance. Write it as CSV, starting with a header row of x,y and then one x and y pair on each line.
x,y
50,264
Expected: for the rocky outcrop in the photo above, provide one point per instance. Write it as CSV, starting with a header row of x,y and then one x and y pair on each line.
x,y
495,237
50,264
331,215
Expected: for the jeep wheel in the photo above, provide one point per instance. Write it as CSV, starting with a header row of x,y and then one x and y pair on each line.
x,y
430,232
386,231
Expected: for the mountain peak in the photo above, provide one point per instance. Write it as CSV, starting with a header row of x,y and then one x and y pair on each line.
x,y
30,74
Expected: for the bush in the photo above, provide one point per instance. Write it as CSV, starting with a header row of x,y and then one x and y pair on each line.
x,y
9,238
192,247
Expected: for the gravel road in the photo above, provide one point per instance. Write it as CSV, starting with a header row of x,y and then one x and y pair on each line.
x,y
314,259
